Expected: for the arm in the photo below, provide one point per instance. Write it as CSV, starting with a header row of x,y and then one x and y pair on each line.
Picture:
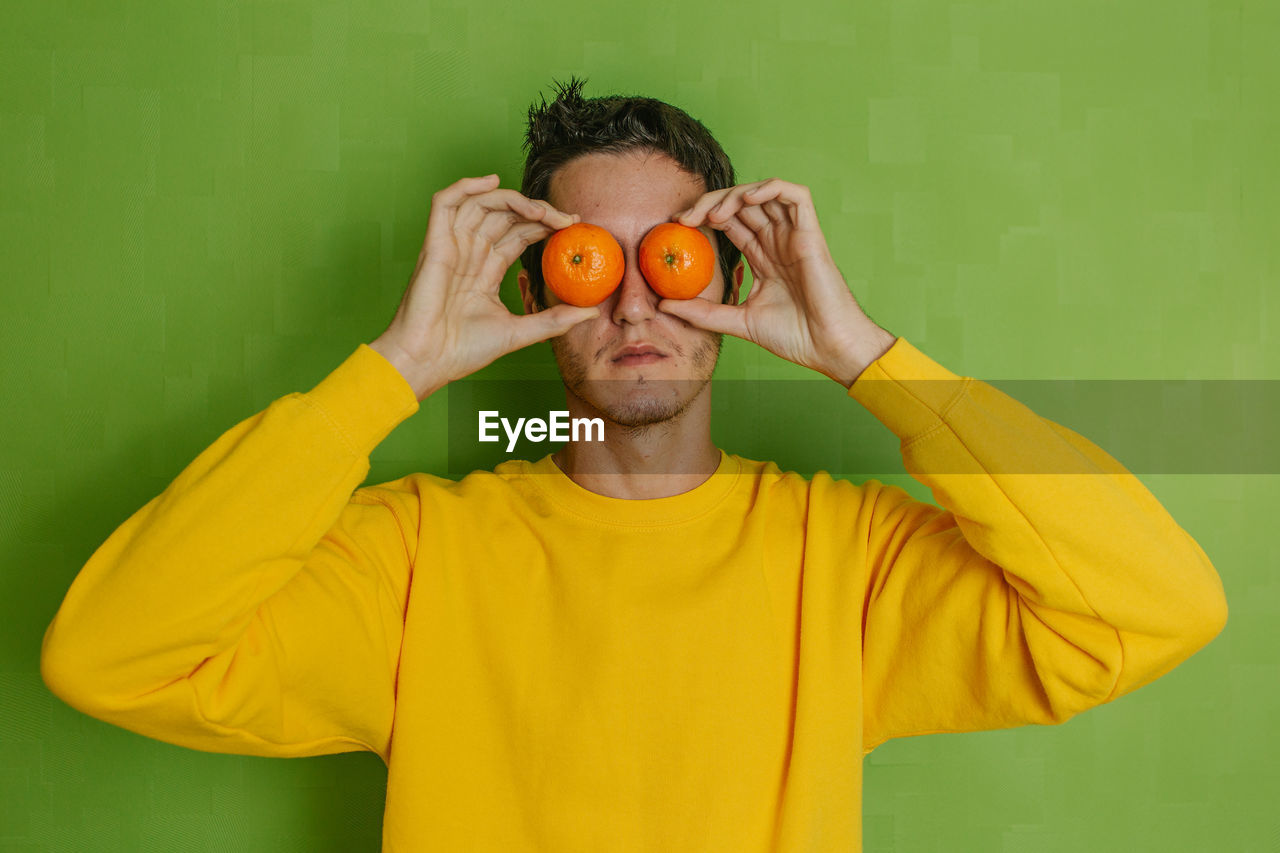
x,y
256,605
1036,592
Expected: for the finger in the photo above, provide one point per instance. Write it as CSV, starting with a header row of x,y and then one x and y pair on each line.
x,y
444,203
550,323
503,254
499,222
492,231
758,206
540,210
553,216
719,208
795,197
696,215
729,205
705,314
474,209
753,216
460,190
780,215
444,208
496,223
520,236
748,241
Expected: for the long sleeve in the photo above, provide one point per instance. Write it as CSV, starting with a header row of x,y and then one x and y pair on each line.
x,y
1049,581
256,605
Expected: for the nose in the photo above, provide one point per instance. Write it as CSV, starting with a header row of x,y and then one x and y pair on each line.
x,y
634,301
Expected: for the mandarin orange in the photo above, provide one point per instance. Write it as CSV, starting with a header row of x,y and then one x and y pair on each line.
x,y
676,260
582,264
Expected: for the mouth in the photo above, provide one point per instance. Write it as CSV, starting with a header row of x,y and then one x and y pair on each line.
x,y
638,358
638,354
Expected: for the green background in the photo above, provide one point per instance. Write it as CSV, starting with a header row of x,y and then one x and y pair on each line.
x,y
207,205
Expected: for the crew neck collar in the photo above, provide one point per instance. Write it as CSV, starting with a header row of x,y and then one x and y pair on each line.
x,y
650,512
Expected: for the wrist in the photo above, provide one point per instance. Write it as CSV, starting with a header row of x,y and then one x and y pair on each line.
x,y
423,378
868,345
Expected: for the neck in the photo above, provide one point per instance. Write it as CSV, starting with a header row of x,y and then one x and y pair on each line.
x,y
640,463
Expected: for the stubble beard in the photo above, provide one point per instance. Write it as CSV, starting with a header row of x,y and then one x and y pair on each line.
x,y
639,404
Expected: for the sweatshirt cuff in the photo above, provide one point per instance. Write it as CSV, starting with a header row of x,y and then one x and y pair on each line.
x,y
365,398
907,391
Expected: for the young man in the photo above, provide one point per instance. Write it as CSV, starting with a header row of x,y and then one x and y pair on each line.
x,y
646,643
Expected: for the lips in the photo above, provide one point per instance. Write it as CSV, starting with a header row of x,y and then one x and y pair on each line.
x,y
637,350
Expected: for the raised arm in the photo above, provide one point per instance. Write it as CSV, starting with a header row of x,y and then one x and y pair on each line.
x,y
1049,580
256,605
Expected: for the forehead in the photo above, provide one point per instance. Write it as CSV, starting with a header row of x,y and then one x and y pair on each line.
x,y
645,185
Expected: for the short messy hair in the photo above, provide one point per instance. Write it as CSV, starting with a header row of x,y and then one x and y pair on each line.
x,y
571,126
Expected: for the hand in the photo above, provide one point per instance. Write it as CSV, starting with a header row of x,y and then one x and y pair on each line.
x,y
800,307
450,322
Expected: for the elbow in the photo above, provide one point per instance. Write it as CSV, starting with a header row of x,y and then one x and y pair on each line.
x,y
1198,623
68,677
1204,600
1204,607
1212,621
60,676
1190,614
1160,636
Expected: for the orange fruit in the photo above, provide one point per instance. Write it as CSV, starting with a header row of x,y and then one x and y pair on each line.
x,y
582,264
676,260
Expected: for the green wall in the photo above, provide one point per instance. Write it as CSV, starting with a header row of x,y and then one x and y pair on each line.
x,y
205,206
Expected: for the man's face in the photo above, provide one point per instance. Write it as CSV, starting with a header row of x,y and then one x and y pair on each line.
x,y
627,194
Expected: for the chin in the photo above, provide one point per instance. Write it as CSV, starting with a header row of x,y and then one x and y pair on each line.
x,y
636,396
638,401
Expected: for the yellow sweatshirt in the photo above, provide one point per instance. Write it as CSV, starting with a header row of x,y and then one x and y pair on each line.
x,y
543,668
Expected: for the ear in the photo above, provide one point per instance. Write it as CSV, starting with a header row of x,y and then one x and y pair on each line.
x,y
737,281
526,295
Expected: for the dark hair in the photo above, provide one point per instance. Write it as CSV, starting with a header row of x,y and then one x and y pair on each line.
x,y
571,126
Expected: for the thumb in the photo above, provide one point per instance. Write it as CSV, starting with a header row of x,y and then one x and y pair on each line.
x,y
705,314
551,322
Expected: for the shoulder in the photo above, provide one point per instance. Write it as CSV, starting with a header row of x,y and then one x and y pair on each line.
x,y
786,483
422,487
